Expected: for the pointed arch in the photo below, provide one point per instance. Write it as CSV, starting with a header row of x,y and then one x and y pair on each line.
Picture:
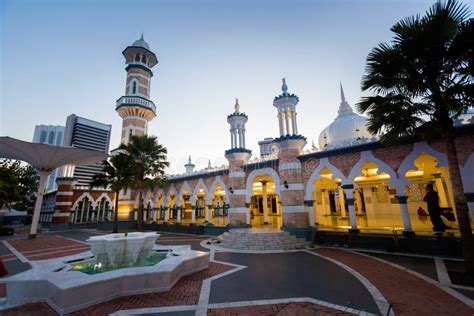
x,y
367,156
261,172
171,191
219,181
315,175
81,197
106,196
201,185
184,187
409,161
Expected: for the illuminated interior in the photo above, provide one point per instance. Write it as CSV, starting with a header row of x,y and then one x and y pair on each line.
x,y
263,187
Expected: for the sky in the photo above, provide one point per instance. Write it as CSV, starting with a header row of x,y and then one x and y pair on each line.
x,y
63,57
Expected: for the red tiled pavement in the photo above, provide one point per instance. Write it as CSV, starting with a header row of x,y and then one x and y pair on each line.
x,y
185,292
408,294
289,309
47,247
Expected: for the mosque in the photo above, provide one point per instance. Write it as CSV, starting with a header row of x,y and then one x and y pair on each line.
x,y
350,182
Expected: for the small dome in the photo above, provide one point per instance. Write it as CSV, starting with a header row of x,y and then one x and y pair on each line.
x,y
141,43
346,129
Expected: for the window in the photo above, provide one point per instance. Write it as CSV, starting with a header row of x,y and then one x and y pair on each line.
x,y
144,59
83,210
51,138
43,137
130,134
134,87
59,139
103,210
137,57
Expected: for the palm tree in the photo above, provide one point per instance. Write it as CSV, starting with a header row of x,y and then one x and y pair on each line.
x,y
422,81
149,163
117,174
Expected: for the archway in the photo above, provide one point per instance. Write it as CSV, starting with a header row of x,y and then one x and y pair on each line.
x,y
219,205
330,203
184,201
265,209
427,171
375,199
200,198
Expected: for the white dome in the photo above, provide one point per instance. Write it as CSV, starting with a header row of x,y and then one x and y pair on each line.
x,y
346,129
141,43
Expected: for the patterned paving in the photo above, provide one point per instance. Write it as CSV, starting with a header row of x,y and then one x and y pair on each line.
x,y
47,247
408,294
290,309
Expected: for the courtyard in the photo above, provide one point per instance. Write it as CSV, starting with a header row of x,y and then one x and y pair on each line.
x,y
313,280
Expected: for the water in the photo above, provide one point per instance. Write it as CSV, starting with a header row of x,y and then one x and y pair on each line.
x,y
92,267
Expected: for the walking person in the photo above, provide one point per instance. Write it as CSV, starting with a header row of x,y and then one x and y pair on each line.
x,y
432,200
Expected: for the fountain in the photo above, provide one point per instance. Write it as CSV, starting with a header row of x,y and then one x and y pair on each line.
x,y
122,250
117,265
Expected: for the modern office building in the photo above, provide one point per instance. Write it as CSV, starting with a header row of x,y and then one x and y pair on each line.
x,y
51,135
86,134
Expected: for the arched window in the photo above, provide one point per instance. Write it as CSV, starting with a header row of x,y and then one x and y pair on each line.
x,y
137,57
43,137
103,210
83,209
144,59
51,138
134,87
59,138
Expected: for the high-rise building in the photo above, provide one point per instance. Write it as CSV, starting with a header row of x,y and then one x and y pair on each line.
x,y
51,135
86,134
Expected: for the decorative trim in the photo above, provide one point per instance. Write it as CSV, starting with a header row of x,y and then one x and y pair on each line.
x,y
136,66
293,209
238,210
292,187
65,203
64,193
296,165
237,174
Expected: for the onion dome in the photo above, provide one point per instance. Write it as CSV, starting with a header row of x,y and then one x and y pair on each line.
x,y
347,129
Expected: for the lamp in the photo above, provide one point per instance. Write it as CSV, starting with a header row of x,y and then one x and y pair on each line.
x,y
285,183
231,190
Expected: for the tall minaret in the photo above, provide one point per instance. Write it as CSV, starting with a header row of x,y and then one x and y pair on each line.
x,y
135,107
237,122
286,105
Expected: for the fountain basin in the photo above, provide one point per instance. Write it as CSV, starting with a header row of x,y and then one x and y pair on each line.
x,y
122,250
65,290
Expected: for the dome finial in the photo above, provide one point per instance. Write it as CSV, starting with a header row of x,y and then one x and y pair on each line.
x,y
141,38
237,105
209,164
189,160
284,87
343,97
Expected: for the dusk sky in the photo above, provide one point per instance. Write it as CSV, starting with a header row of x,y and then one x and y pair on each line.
x,y
63,57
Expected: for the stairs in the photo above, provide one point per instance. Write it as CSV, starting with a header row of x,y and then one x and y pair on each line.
x,y
260,239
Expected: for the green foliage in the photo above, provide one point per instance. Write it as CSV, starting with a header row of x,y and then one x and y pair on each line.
x,y
423,79
18,182
117,173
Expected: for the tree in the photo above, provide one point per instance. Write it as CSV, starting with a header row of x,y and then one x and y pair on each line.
x,y
18,183
422,81
149,166
117,174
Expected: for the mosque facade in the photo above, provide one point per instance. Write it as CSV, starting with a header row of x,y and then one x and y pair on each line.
x,y
349,182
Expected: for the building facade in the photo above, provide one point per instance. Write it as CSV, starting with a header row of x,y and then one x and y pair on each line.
x,y
86,134
350,182
51,135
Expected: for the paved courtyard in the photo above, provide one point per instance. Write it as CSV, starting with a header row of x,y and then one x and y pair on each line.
x,y
319,281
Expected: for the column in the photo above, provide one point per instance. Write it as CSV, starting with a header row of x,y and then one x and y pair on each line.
x,y
280,123
342,202
350,203
287,122
206,211
443,196
266,219
193,213
310,209
293,122
323,201
178,215
231,138
209,214
39,201
240,138
402,200
295,131
243,138
167,213
155,210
